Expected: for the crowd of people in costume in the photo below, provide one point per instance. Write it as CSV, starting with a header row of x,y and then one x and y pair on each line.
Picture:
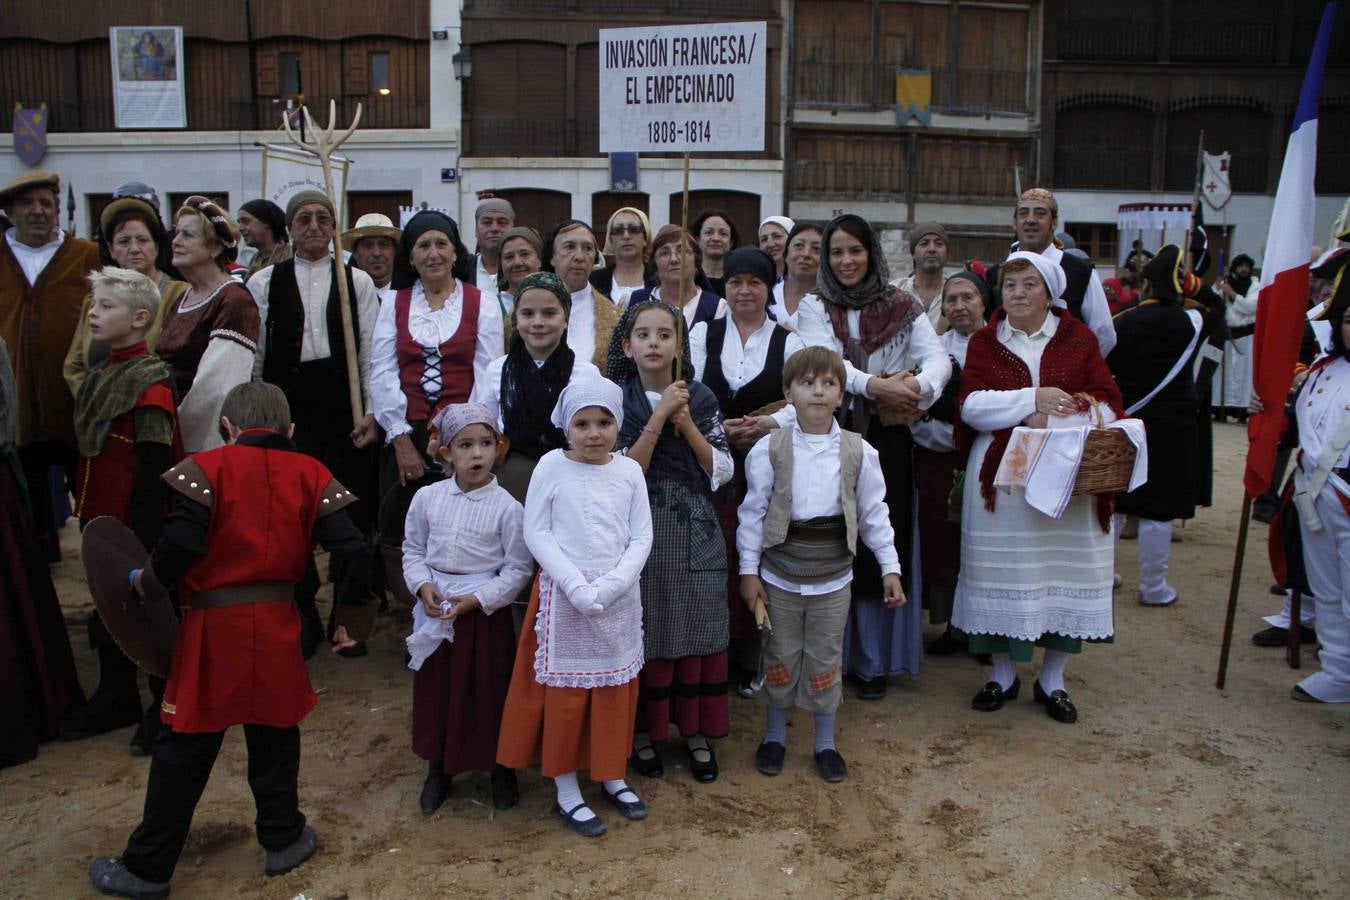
x,y
618,477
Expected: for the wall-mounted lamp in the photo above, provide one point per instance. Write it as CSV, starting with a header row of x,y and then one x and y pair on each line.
x,y
463,64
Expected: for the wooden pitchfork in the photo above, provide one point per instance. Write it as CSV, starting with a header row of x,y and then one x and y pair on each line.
x,y
323,144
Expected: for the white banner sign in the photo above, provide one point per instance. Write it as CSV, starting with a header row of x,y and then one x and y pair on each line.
x,y
1216,186
147,72
289,170
683,87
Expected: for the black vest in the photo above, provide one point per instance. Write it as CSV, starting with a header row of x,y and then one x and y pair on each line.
x,y
1077,277
286,324
763,389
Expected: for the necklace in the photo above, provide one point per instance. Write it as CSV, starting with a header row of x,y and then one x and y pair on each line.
x,y
183,305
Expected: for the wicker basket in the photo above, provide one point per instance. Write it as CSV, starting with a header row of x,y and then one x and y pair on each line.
x,y
1108,457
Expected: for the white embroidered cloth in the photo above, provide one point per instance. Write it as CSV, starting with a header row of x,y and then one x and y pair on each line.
x,y
427,632
1045,461
580,651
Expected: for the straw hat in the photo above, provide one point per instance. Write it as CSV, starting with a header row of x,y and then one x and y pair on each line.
x,y
370,225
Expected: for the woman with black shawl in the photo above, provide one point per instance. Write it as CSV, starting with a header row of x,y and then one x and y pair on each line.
x,y
672,427
896,369
522,387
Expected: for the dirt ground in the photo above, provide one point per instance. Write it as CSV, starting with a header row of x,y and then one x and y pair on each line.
x,y
1166,787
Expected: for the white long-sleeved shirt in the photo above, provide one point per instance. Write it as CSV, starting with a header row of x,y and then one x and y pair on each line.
x,y
1321,405
464,534
815,492
917,344
34,259
314,279
580,516
430,328
488,389
741,363
691,307
1096,309
581,323
992,410
930,433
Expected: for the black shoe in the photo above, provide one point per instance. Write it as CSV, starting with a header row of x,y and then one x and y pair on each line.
x,y
1264,512
705,771
769,757
505,790
151,727
831,766
945,645
279,862
1276,590
633,809
1303,696
872,688
1279,637
592,827
1057,704
992,697
108,875
647,761
435,790
104,712
355,651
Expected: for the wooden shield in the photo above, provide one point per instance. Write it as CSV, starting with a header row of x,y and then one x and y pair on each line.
x,y
144,629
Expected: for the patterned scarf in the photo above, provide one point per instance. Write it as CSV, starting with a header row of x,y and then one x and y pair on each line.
x,y
112,389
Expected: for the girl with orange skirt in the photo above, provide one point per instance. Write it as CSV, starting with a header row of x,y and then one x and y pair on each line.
x,y
574,687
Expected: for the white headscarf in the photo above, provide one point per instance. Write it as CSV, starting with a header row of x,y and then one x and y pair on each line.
x,y
1050,272
583,392
782,222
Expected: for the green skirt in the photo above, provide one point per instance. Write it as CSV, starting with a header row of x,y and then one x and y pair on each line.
x,y
1020,650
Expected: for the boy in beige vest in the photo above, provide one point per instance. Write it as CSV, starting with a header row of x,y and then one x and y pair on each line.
x,y
812,490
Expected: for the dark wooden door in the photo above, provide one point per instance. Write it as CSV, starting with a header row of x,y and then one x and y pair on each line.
x,y
387,203
537,208
743,207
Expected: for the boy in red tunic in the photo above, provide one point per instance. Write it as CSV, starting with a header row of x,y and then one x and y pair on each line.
x,y
128,435
243,523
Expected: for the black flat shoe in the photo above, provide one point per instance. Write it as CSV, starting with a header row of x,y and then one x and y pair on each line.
x,y
872,688
108,875
647,762
505,790
945,645
435,790
355,651
831,766
704,771
1057,704
1278,637
992,696
769,757
633,809
592,827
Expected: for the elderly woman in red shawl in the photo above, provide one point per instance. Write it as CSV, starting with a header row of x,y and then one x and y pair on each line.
x,y
1028,580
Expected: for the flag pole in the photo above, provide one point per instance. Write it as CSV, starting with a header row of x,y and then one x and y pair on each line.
x,y
684,284
1195,202
1233,587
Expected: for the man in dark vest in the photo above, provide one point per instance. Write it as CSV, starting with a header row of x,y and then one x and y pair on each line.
x,y
303,352
1034,221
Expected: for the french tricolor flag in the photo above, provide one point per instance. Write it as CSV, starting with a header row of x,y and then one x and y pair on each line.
x,y
1281,310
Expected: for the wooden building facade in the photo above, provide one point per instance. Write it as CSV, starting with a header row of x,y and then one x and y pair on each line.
x,y
244,60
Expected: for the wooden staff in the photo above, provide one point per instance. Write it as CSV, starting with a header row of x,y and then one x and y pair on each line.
x,y
1195,202
323,145
1233,586
679,304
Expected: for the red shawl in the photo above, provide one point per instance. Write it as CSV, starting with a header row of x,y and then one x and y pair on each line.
x,y
1072,362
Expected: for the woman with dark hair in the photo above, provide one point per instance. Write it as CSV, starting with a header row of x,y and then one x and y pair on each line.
x,y
1028,580
429,346
628,242
896,369
210,334
673,252
572,253
717,236
801,268
1156,343
522,387
130,236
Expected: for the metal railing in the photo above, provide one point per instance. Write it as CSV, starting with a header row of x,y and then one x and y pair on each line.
x,y
244,113
1122,38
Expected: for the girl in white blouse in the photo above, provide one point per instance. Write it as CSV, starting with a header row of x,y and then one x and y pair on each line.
x,y
464,558
574,689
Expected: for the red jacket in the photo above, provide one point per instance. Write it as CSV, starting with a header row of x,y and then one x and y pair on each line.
x,y
237,659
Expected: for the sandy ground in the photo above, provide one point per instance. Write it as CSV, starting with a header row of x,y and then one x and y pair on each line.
x,y
1166,787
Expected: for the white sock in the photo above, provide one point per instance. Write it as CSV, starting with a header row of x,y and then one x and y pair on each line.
x,y
1005,673
569,796
615,788
1155,545
1052,671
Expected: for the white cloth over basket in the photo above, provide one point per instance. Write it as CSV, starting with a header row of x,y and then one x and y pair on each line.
x,y
1045,461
